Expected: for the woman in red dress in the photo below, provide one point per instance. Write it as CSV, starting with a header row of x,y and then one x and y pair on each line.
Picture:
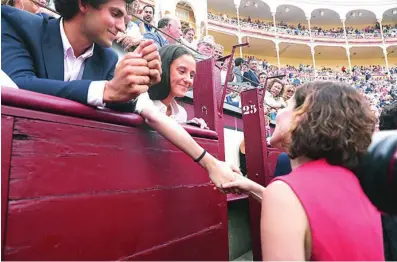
x,y
319,211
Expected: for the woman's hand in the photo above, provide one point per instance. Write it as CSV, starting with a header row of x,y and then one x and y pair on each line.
x,y
220,172
245,185
200,122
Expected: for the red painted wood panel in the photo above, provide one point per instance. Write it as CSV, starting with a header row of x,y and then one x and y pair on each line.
x,y
86,193
51,157
167,252
111,225
7,125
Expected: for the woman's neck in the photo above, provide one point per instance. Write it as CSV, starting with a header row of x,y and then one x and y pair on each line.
x,y
167,102
295,163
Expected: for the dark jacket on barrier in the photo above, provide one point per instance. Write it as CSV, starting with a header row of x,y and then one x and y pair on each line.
x,y
251,76
32,55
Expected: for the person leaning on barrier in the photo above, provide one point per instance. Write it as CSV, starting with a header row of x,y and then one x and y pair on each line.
x,y
36,64
178,71
70,58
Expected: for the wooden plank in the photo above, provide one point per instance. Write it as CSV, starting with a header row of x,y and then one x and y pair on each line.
x,y
256,157
7,125
50,158
116,226
193,244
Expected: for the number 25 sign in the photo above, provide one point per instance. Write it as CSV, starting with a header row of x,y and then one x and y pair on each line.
x,y
251,109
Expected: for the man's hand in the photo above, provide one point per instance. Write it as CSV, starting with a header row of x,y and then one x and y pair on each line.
x,y
131,78
148,50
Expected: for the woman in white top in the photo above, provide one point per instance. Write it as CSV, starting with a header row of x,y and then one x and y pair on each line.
x,y
176,62
180,77
274,99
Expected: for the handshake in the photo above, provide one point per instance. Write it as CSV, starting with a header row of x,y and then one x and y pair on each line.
x,y
134,73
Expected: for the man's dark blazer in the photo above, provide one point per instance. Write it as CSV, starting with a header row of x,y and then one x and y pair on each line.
x,y
32,55
251,76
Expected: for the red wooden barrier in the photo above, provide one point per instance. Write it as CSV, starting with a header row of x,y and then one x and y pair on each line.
x,y
261,161
87,184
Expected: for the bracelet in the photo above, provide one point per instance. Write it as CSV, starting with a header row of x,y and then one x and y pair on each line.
x,y
201,156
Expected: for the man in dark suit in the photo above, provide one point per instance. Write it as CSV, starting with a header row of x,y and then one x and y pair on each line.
x,y
251,73
70,58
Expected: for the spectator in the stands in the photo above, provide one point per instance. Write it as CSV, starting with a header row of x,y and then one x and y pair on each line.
x,y
283,166
262,79
388,117
188,37
27,5
237,70
147,16
178,71
250,76
131,37
273,95
289,91
273,99
206,46
218,52
169,25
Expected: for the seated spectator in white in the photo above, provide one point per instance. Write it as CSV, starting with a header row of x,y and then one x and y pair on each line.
x,y
188,37
224,66
147,16
238,70
178,72
131,37
206,46
218,52
6,81
273,98
289,92
169,25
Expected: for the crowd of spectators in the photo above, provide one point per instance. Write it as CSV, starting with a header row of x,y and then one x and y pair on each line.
x,y
378,84
368,32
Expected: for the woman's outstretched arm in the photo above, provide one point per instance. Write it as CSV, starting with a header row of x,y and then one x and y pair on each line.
x,y
218,171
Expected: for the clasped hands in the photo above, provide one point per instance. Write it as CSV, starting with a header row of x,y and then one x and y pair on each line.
x,y
134,73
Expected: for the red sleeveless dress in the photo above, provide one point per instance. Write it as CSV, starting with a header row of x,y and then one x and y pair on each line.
x,y
344,224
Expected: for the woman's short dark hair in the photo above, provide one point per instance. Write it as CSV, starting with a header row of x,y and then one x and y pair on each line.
x,y
69,8
168,54
332,121
239,61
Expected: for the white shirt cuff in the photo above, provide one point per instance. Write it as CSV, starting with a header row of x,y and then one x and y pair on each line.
x,y
143,101
95,93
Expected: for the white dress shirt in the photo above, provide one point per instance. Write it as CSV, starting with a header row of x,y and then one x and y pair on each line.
x,y
178,113
74,69
6,81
